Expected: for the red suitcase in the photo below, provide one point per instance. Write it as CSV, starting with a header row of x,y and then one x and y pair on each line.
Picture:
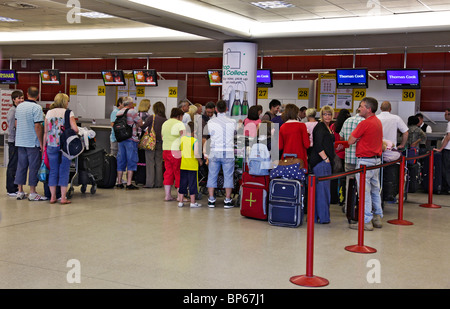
x,y
254,196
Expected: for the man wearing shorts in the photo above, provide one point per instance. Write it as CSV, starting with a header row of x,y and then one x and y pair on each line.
x,y
221,130
127,157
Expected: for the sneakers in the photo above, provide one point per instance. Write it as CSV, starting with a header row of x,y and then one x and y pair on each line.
x,y
195,205
180,204
376,221
228,203
132,187
211,203
13,194
21,195
36,197
120,186
367,226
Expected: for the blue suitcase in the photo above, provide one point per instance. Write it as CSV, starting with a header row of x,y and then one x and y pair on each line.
x,y
286,202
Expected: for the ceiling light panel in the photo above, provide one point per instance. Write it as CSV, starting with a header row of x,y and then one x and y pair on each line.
x,y
273,4
95,15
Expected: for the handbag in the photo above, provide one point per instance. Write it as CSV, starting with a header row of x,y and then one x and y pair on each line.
x,y
289,168
43,172
259,161
148,139
45,157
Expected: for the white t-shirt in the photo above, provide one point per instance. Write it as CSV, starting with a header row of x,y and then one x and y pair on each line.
x,y
391,123
448,132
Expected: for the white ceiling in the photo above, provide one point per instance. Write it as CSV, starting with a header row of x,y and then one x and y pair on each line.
x,y
44,29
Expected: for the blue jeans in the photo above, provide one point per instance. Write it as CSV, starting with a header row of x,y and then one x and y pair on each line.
x,y
127,157
323,195
224,160
372,196
59,168
12,167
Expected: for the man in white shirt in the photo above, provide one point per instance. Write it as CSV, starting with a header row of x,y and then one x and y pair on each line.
x,y
221,130
445,149
391,124
425,128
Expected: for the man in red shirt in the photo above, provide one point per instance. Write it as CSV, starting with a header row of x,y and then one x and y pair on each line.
x,y
368,136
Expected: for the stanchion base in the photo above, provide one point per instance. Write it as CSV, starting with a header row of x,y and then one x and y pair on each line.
x,y
305,280
360,249
430,206
400,222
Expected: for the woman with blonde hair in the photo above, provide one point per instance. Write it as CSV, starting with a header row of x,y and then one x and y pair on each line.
x,y
59,164
322,154
143,108
192,111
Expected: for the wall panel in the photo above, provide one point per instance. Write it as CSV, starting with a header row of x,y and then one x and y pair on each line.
x,y
435,94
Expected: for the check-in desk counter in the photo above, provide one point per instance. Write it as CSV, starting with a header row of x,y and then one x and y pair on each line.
x,y
434,139
102,129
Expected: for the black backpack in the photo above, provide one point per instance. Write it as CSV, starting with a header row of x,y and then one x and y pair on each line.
x,y
122,130
70,143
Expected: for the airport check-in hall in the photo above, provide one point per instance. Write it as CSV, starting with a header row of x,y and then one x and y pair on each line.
x,y
206,146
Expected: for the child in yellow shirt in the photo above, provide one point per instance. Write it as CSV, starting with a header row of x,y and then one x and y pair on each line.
x,y
190,160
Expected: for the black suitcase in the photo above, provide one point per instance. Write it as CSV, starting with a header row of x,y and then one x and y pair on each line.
x,y
437,173
337,191
414,179
390,182
109,172
352,205
90,165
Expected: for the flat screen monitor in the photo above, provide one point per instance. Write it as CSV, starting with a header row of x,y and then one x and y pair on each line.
x,y
352,78
264,78
215,77
8,77
403,79
145,78
50,77
113,78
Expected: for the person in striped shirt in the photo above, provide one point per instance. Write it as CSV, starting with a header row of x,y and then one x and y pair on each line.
x,y
350,153
29,142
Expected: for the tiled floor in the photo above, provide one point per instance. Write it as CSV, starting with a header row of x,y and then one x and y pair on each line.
x,y
133,239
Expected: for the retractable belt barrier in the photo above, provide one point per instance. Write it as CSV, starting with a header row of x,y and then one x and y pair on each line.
x,y
309,279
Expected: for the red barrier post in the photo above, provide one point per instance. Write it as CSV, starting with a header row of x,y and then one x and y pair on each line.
x,y
309,279
401,195
430,183
360,247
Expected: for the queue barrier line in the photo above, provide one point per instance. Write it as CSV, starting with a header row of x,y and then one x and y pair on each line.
x,y
430,182
309,279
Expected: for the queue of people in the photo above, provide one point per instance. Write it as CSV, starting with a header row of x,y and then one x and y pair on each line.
x,y
32,134
180,147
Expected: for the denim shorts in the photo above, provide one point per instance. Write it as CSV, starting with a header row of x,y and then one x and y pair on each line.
x,y
29,159
217,161
127,157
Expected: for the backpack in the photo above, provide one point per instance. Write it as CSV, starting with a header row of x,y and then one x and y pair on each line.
x,y
122,130
70,143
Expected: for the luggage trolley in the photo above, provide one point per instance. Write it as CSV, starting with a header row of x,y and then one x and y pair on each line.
x,y
86,169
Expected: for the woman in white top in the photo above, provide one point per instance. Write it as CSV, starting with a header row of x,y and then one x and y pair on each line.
x,y
59,164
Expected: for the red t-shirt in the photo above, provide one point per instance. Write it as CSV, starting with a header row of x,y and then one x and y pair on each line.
x,y
294,139
370,134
